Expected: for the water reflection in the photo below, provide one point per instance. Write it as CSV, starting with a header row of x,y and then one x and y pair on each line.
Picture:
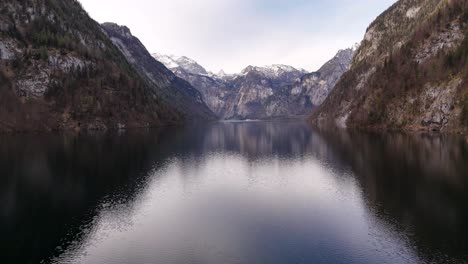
x,y
261,192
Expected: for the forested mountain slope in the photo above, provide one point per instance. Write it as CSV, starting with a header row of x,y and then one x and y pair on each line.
x,y
411,71
58,70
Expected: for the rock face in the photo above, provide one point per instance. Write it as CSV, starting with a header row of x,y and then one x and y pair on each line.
x,y
255,87
304,95
262,92
174,90
411,72
182,63
59,70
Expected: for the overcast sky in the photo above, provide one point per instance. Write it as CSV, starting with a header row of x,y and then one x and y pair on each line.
x,y
232,34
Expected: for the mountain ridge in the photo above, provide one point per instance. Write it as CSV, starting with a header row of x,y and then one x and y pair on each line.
x,y
174,90
263,92
410,72
59,71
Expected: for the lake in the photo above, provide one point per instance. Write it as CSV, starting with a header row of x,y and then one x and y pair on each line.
x,y
244,192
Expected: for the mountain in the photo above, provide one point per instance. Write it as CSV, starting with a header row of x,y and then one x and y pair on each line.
x,y
263,92
411,72
59,70
304,95
174,90
180,63
255,86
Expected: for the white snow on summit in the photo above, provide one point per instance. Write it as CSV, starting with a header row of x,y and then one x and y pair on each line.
x,y
168,61
173,62
177,63
274,70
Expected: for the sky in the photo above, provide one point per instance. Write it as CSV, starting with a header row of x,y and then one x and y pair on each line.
x,y
233,34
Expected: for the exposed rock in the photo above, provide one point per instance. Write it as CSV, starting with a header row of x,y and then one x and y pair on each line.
x,y
438,103
8,49
68,63
58,70
409,73
177,92
413,11
264,92
34,84
445,39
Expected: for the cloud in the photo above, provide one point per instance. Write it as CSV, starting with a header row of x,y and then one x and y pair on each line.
x,y
232,34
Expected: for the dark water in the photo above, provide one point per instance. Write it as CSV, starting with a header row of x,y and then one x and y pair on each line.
x,y
261,192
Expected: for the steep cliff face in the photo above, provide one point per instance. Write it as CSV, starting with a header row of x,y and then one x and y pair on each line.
x,y
174,90
236,96
262,92
300,98
255,87
215,89
410,72
58,70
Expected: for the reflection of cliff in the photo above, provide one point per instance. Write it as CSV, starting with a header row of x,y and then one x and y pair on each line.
x,y
50,181
418,181
51,184
260,139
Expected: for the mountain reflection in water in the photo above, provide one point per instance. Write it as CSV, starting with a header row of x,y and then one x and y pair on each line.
x,y
256,192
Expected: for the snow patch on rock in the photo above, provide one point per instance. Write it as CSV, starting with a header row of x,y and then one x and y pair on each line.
x,y
174,62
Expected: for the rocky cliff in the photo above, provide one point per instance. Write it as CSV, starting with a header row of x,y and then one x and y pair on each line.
x,y
59,70
261,92
174,90
304,95
255,87
410,72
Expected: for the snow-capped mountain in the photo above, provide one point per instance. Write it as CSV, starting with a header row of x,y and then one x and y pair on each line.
x,y
261,92
180,63
312,89
274,71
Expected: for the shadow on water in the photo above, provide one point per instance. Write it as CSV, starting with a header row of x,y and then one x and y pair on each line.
x,y
415,181
53,186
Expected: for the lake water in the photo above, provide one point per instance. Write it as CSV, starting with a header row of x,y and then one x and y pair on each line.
x,y
255,192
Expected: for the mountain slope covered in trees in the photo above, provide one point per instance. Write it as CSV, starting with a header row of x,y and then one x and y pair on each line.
x,y
411,72
59,70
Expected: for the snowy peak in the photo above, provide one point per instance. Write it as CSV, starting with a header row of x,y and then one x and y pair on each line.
x,y
221,73
180,62
190,66
273,71
168,61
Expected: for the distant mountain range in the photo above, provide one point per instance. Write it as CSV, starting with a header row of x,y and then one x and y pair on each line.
x,y
261,92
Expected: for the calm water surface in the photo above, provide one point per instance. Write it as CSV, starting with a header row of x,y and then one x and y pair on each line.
x,y
258,192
